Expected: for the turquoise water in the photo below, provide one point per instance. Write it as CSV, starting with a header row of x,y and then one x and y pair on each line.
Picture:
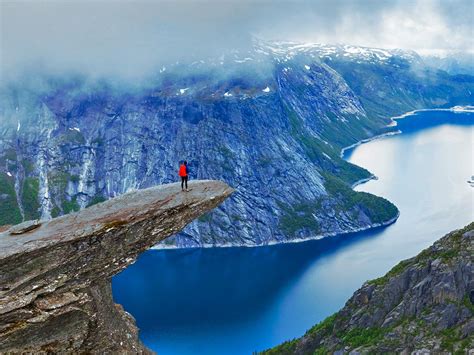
x,y
239,300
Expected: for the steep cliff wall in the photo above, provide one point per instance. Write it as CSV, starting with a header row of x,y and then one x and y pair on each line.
x,y
423,305
55,290
272,122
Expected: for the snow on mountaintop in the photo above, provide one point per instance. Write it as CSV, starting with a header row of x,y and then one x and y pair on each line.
x,y
284,51
264,55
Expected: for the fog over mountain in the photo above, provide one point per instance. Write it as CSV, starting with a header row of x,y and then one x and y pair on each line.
x,y
132,38
102,97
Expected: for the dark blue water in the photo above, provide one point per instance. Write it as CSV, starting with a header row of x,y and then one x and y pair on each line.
x,y
238,300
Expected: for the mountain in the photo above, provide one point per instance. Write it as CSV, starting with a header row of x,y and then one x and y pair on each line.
x,y
452,63
271,122
423,305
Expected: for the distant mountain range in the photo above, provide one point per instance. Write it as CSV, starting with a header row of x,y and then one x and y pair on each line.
x,y
271,122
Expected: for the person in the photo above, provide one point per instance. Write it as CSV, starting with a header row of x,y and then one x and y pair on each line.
x,y
183,173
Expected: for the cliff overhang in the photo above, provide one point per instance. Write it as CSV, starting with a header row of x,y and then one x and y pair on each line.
x,y
55,290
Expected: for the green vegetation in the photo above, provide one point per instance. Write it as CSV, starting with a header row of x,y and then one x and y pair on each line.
x,y
10,154
96,199
9,160
449,338
59,179
378,209
372,336
55,212
337,329
74,178
286,348
339,175
326,156
299,217
364,336
9,210
446,254
324,327
28,166
29,198
69,206
396,270
467,303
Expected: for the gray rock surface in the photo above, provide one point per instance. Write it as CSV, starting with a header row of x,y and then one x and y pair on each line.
x,y
424,305
55,290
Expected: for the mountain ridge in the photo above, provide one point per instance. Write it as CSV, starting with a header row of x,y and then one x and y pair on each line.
x,y
277,136
424,304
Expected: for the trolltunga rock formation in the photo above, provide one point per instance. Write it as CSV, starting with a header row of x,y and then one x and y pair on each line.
x,y
55,290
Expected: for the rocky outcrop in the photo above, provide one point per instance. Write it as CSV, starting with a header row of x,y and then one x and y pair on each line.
x,y
55,290
423,305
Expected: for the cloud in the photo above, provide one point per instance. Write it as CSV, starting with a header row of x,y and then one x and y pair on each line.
x,y
131,38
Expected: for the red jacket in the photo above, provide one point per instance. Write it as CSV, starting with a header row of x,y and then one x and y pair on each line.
x,y
183,170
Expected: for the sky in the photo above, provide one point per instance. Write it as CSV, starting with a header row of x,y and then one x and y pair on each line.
x,y
130,37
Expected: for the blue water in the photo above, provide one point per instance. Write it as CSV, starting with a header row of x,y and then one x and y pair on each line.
x,y
239,300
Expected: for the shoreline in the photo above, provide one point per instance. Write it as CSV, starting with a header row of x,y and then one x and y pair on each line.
x,y
289,241
367,140
363,181
391,124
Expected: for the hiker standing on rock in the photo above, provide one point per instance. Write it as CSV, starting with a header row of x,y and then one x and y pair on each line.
x,y
183,173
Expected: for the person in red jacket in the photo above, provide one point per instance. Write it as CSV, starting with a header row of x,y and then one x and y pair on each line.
x,y
183,173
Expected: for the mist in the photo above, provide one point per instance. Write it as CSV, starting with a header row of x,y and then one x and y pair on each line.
x,y
131,39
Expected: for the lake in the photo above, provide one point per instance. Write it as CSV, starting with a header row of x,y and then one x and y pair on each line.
x,y
240,300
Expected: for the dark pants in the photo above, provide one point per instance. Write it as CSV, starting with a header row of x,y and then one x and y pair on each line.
x,y
184,182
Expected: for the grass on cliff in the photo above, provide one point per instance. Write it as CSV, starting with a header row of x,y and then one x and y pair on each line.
x,y
446,249
96,199
69,206
326,156
29,198
378,209
445,254
339,175
9,210
299,217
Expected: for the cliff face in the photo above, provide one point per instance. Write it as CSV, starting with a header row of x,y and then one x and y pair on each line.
x,y
55,290
272,122
426,302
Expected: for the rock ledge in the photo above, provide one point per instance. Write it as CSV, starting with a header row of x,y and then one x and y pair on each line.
x,y
55,290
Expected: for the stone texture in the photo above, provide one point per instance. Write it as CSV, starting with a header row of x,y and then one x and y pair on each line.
x,y
55,290
421,306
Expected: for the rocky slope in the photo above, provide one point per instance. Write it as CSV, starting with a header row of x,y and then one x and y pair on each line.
x,y
423,305
55,290
271,122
